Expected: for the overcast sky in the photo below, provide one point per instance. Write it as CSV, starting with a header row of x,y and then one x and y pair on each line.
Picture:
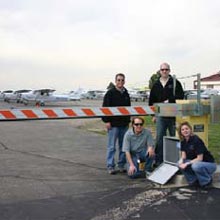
x,y
66,44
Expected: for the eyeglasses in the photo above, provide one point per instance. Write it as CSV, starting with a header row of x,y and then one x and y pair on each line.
x,y
164,69
138,124
120,80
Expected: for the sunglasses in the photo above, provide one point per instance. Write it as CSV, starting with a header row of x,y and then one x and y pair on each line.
x,y
164,69
138,124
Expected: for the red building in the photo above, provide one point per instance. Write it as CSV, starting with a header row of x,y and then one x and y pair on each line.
x,y
209,82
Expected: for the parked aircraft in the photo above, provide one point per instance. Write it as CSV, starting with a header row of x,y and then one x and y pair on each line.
x,y
95,94
75,95
15,96
138,95
3,94
42,96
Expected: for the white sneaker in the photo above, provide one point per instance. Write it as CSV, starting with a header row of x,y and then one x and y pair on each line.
x,y
111,171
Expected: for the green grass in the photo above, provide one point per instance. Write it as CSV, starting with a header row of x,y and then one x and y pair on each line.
x,y
214,141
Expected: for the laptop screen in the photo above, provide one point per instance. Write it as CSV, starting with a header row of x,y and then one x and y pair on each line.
x,y
171,149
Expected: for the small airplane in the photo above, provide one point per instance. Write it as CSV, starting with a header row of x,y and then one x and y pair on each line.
x,y
4,94
40,96
75,95
138,95
15,96
95,94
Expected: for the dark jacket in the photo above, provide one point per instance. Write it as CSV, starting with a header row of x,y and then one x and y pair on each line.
x,y
113,98
194,147
159,94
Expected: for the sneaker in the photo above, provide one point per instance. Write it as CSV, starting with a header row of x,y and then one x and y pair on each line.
x,y
148,173
122,170
111,171
194,184
208,185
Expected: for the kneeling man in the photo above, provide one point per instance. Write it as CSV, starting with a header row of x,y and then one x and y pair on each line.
x,y
138,146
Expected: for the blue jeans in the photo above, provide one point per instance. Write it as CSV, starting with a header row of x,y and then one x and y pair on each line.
x,y
143,157
201,171
114,134
162,124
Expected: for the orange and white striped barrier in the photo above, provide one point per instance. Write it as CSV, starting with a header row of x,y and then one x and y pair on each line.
x,y
69,113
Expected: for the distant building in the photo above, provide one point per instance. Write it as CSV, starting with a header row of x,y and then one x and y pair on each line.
x,y
209,82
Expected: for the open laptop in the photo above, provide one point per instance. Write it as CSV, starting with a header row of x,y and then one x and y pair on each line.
x,y
171,156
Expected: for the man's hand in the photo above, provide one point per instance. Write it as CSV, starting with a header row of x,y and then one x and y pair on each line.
x,y
132,170
153,119
108,125
150,151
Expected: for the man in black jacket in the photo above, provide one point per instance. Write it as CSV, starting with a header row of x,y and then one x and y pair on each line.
x,y
165,90
116,125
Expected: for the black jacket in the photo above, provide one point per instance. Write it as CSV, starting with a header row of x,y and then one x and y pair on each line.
x,y
194,147
159,94
113,98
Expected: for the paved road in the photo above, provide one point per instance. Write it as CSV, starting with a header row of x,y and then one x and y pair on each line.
x,y
52,170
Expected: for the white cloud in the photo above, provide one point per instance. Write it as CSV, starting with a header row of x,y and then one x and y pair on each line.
x,y
86,42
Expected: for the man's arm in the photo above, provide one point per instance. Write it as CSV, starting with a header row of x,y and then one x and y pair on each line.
x,y
150,144
179,91
151,101
150,151
132,168
106,103
126,147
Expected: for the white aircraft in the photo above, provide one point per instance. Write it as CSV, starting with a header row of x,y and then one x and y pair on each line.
x,y
94,94
75,95
15,96
138,95
41,96
3,94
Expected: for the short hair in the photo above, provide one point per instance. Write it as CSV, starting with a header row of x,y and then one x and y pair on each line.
x,y
180,127
166,64
137,117
119,74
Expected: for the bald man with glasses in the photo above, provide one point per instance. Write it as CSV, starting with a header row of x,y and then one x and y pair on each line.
x,y
165,90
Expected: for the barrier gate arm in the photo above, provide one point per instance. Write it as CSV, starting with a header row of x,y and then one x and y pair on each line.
x,y
70,113
165,110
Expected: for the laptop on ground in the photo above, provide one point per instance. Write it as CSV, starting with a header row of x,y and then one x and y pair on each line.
x,y
171,156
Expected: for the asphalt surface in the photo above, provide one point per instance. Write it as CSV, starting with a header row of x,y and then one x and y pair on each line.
x,y
53,170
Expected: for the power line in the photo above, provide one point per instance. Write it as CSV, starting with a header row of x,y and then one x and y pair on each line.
x,y
185,77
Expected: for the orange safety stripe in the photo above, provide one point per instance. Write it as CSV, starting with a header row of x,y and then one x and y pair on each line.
x,y
140,110
123,110
29,113
50,113
106,111
88,112
8,114
69,112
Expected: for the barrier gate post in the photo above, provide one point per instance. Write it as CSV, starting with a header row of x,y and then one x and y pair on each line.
x,y
196,114
199,123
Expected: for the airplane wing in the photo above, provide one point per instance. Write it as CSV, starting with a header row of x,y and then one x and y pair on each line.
x,y
44,91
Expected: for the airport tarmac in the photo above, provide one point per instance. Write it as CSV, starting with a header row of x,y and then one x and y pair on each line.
x,y
52,169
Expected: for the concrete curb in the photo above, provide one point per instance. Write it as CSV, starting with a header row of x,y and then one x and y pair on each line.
x,y
180,181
